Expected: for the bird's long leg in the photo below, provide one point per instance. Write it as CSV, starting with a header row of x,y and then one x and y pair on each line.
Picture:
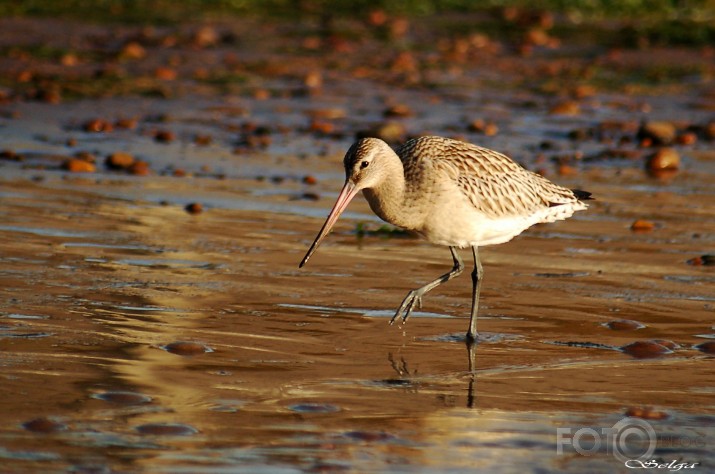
x,y
472,355
477,275
415,296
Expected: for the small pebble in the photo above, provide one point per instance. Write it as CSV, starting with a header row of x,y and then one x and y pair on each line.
x,y
706,347
482,126
206,36
642,225
566,108
51,95
584,91
322,127
330,113
132,50
391,132
97,125
580,134
119,160
310,196
69,60
10,155
567,170
687,138
310,179
624,325
186,348
313,80
203,140
164,136
139,168
44,425
645,349
398,110
126,123
657,132
707,259
76,165
261,94
537,37
710,131
377,17
194,208
664,160
647,413
165,73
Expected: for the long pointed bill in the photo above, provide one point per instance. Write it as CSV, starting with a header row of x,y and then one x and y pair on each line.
x,y
348,192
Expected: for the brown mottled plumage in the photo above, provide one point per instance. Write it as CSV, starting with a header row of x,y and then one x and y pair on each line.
x,y
452,193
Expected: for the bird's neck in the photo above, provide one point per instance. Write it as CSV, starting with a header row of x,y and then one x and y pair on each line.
x,y
387,198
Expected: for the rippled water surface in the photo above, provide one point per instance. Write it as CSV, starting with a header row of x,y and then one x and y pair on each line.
x,y
137,337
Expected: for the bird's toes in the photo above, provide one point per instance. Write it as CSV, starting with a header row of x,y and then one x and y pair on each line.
x,y
413,300
401,312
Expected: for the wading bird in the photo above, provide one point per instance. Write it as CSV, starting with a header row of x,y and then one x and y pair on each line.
x,y
451,193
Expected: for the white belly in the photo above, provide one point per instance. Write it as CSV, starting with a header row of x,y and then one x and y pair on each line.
x,y
453,230
458,223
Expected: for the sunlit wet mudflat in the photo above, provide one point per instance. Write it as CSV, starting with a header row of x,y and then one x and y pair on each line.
x,y
139,337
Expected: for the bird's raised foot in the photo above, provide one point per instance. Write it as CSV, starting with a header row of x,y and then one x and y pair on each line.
x,y
413,298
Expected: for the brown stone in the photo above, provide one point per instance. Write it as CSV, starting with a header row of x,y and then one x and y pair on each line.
x,y
139,168
97,125
663,159
78,165
642,225
569,107
164,136
132,50
194,208
647,413
119,160
645,349
659,132
624,325
165,73
398,110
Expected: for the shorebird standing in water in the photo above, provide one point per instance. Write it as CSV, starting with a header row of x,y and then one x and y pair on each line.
x,y
451,193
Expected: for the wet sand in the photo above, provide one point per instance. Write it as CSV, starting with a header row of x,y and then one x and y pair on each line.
x,y
290,370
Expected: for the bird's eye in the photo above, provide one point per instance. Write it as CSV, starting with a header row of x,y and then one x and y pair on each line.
x,y
364,164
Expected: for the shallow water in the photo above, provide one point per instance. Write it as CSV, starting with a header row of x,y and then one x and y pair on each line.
x,y
104,276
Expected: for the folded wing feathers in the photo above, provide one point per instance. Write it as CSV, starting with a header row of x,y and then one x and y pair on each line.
x,y
499,187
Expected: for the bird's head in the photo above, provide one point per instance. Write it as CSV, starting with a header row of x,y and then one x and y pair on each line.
x,y
365,167
365,162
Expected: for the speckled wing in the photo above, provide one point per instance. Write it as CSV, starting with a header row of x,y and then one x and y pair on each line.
x,y
494,184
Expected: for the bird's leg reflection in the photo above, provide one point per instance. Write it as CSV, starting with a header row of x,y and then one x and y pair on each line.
x,y
404,373
400,368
